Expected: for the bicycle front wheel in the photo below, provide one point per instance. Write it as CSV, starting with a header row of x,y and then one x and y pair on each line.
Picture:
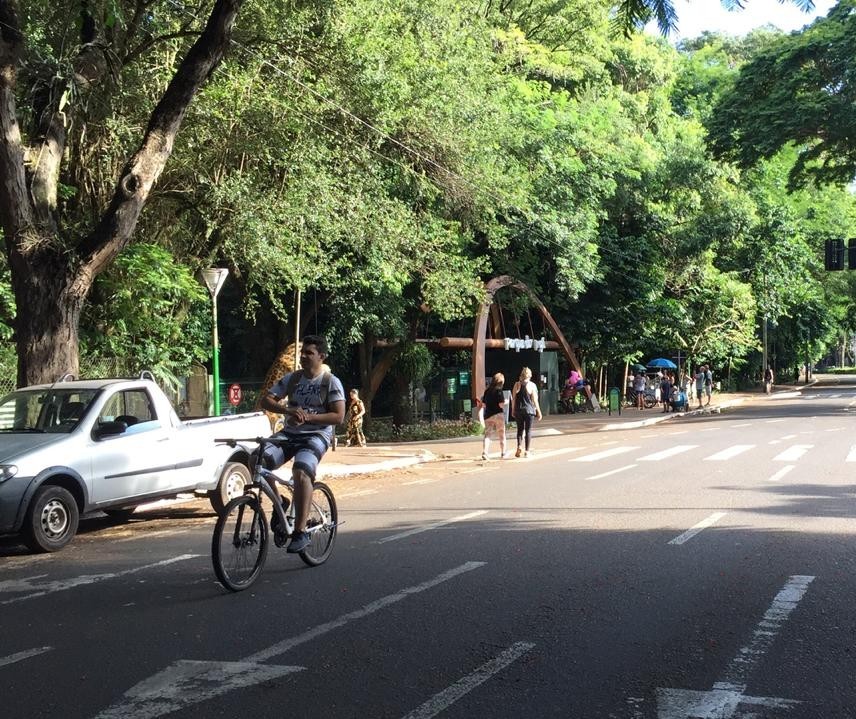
x,y
321,525
240,543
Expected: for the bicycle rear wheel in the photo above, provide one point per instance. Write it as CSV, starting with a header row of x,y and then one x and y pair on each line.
x,y
240,543
321,525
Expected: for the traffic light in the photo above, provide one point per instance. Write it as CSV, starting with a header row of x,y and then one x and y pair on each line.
x,y
834,254
851,253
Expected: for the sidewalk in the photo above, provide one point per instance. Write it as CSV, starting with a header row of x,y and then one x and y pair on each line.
x,y
347,461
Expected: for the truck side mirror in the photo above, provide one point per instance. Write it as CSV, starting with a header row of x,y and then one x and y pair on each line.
x,y
108,429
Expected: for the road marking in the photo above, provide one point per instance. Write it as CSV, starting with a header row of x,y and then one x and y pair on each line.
x,y
833,396
696,528
150,535
666,453
727,695
603,455
742,424
729,452
63,584
20,656
473,471
375,606
429,527
792,454
553,452
836,429
360,493
611,472
421,481
710,429
852,456
781,473
444,699
673,434
771,421
186,682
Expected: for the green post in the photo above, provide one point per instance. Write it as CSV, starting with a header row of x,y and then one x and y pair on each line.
x,y
214,277
216,360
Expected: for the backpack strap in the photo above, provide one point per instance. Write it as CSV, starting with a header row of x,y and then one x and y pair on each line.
x,y
294,380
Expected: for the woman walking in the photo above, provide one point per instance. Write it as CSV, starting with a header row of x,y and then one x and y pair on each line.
x,y
356,412
493,412
524,407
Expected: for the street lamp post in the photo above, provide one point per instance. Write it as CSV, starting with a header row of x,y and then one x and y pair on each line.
x,y
214,277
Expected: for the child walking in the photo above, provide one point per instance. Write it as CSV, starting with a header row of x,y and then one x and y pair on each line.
x,y
356,412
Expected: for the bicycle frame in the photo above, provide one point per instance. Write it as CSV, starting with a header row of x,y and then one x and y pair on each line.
x,y
263,479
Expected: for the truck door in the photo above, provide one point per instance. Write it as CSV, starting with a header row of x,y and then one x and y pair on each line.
x,y
139,461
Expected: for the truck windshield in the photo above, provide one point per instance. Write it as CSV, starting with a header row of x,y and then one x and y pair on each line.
x,y
56,410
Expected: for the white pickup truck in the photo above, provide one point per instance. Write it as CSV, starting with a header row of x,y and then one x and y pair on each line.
x,y
109,444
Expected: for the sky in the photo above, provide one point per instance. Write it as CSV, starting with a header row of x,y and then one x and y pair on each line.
x,y
696,16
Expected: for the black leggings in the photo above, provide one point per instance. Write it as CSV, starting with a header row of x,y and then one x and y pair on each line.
x,y
524,424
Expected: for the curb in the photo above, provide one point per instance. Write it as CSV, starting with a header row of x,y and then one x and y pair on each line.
x,y
342,470
713,409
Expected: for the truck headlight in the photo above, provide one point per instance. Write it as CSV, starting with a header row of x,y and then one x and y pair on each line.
x,y
7,471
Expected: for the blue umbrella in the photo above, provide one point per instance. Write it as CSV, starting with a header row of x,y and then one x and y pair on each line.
x,y
662,362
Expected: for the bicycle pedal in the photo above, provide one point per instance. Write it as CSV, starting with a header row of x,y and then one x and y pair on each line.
x,y
280,539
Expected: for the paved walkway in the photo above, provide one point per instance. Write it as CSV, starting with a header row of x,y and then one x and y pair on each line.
x,y
384,457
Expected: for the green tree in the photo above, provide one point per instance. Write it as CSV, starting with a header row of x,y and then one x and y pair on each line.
x,y
72,83
797,90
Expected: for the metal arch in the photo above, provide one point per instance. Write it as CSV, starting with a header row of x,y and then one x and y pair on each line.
x,y
480,332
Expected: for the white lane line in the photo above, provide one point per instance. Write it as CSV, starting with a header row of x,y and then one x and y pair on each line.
x,y
673,434
666,453
710,429
833,396
286,644
852,456
695,529
729,452
359,493
603,455
781,473
553,452
724,699
771,421
738,671
611,472
20,656
151,535
421,481
429,527
444,699
836,429
742,424
63,584
792,454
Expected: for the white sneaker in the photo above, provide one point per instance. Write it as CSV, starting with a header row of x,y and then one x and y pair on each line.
x,y
504,455
528,453
484,456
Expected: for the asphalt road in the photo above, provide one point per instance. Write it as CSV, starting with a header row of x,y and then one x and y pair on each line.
x,y
700,568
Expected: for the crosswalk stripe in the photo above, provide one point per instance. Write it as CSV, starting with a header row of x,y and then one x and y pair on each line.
x,y
729,452
792,454
666,453
852,456
602,455
781,473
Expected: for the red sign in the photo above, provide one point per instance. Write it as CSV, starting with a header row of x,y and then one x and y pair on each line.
x,y
234,394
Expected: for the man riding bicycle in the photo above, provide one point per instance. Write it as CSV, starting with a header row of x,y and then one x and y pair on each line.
x,y
313,401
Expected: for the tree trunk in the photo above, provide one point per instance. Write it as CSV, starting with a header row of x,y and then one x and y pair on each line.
x,y
46,328
51,274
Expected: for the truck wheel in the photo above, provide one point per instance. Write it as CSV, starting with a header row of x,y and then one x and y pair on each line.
x,y
233,479
51,520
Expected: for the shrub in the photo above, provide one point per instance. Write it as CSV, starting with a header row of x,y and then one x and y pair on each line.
x,y
382,430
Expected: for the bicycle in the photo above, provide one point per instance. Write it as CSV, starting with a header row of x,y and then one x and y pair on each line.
x,y
241,537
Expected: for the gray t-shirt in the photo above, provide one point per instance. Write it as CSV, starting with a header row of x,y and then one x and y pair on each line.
x,y
307,396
